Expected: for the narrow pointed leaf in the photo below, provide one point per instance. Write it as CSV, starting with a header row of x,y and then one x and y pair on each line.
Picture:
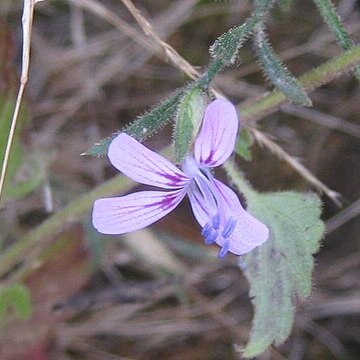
x,y
226,47
277,73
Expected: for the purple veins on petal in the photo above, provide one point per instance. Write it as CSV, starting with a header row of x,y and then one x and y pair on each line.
x,y
135,211
166,202
217,136
143,165
175,180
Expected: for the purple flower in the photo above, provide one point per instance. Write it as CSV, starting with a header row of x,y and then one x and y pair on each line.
x,y
215,206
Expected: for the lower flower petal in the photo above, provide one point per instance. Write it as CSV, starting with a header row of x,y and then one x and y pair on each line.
x,y
249,232
134,211
199,206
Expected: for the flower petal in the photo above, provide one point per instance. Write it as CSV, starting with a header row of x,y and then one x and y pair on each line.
x,y
199,205
249,232
143,165
134,211
216,139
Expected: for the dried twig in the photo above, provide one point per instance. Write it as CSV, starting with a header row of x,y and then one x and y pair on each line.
x,y
343,217
264,140
27,21
322,119
169,51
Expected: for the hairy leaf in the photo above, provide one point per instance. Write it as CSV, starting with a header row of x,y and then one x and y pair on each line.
x,y
276,71
281,269
226,47
145,125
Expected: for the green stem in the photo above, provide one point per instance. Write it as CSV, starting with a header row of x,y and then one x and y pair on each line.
x,y
315,78
56,223
235,175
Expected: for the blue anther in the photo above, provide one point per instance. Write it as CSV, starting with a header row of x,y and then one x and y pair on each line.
x,y
216,221
210,239
205,232
229,228
224,249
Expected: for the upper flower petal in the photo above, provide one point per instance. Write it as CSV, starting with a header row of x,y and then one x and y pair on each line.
x,y
216,139
143,165
248,232
134,211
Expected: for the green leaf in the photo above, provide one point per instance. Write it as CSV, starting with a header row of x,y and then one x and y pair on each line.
x,y
243,143
281,269
276,71
190,114
17,297
226,47
144,126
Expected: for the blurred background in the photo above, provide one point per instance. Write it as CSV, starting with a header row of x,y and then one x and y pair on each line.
x,y
159,293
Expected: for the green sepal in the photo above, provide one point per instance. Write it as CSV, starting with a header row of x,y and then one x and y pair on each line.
x,y
188,121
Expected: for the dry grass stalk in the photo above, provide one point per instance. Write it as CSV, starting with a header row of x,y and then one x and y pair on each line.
x,y
27,22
